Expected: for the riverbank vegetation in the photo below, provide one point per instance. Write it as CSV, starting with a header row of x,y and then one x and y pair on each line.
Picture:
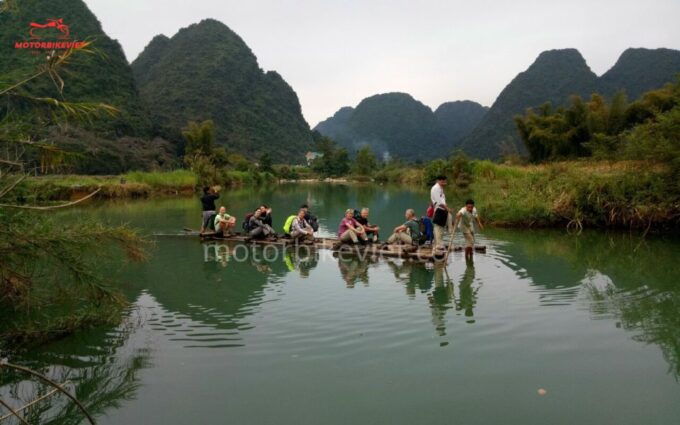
x,y
575,194
49,279
597,163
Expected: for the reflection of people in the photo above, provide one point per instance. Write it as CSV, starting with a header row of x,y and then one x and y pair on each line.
x,y
442,214
440,299
302,259
220,253
350,230
353,270
413,275
466,295
465,219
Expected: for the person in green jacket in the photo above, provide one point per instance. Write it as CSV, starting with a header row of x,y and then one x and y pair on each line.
x,y
409,232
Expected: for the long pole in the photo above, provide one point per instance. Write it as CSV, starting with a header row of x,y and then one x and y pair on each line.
x,y
453,232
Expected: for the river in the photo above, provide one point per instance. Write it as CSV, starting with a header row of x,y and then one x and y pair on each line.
x,y
546,327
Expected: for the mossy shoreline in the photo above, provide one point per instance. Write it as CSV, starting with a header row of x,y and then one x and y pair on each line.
x,y
574,194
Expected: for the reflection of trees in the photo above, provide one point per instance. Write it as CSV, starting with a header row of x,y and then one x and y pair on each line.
x,y
206,296
97,365
209,292
638,284
654,316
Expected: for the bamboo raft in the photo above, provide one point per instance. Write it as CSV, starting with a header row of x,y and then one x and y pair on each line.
x,y
421,253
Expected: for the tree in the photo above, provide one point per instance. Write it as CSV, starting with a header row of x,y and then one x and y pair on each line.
x,y
437,167
266,163
340,163
333,162
604,129
200,137
365,163
42,261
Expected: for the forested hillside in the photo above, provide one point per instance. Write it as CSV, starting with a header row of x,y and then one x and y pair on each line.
x,y
554,77
397,125
206,71
457,119
102,76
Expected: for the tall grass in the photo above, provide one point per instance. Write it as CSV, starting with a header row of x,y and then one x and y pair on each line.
x,y
633,194
177,179
576,193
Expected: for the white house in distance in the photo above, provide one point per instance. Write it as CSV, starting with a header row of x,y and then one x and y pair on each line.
x,y
311,156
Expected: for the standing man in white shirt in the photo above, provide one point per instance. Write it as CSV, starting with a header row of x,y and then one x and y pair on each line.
x,y
442,213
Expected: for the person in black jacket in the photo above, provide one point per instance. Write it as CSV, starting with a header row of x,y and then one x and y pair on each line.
x,y
258,229
266,214
311,219
210,195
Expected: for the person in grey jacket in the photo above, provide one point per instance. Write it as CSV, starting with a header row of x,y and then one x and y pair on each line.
x,y
300,229
258,228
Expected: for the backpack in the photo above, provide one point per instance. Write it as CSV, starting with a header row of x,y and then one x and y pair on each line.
x,y
426,230
419,238
430,211
313,221
246,222
289,222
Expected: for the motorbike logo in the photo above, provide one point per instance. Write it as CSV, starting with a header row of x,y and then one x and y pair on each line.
x,y
36,29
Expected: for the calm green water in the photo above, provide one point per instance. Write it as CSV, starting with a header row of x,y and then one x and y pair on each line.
x,y
305,338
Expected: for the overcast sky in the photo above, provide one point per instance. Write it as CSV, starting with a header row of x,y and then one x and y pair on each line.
x,y
334,52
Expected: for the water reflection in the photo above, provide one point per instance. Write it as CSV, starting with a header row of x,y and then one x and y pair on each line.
x,y
442,294
203,298
623,276
354,270
102,366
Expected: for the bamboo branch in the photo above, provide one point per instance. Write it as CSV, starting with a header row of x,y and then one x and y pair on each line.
x,y
52,207
14,412
52,383
12,186
22,82
26,406
4,161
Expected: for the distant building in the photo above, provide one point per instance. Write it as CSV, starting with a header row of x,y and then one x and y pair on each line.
x,y
311,156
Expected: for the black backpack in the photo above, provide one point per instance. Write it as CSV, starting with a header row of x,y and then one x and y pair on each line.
x,y
314,222
246,222
421,237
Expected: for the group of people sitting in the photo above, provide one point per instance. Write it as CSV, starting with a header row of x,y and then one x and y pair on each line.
x,y
354,227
